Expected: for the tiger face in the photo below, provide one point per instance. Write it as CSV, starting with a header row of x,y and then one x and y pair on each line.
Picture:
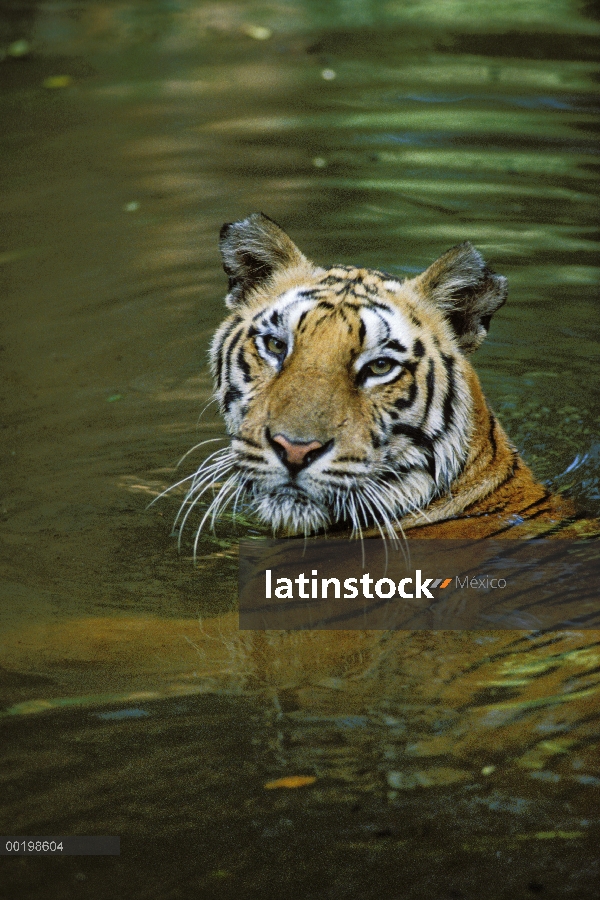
x,y
346,392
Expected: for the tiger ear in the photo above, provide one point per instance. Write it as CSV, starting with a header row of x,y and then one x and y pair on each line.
x,y
253,250
460,284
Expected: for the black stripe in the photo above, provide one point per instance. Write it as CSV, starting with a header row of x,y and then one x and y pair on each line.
x,y
417,435
241,361
421,440
394,345
233,344
230,327
274,318
248,441
218,369
430,382
362,330
230,397
342,314
226,379
381,319
492,437
301,319
448,410
373,304
405,402
418,348
219,348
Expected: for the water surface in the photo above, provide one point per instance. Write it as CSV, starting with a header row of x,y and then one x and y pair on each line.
x,y
446,764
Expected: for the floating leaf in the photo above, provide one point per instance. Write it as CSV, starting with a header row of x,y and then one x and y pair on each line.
x,y
290,781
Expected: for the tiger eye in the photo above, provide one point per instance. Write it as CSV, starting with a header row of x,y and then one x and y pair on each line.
x,y
381,366
274,345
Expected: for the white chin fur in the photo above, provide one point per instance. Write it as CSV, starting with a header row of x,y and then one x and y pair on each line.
x,y
290,512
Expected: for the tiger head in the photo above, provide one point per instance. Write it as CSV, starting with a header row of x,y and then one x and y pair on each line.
x,y
346,392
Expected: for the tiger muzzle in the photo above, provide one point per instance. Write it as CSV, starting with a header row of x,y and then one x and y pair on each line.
x,y
296,455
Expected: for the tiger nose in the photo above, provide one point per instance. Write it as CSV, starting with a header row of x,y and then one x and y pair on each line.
x,y
294,453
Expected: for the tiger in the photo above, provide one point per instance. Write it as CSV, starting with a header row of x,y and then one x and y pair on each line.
x,y
350,401
352,409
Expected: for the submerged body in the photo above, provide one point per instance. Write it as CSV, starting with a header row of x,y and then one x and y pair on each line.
x,y
351,402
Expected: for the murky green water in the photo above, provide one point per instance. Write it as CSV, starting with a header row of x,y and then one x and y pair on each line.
x,y
447,765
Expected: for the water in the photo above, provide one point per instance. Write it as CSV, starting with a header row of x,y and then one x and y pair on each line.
x,y
446,765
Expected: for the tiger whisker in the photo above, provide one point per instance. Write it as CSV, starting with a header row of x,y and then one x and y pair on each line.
x,y
192,504
367,489
239,493
364,500
356,524
216,506
169,489
188,477
225,495
393,527
209,474
210,403
367,511
209,478
201,444
221,453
